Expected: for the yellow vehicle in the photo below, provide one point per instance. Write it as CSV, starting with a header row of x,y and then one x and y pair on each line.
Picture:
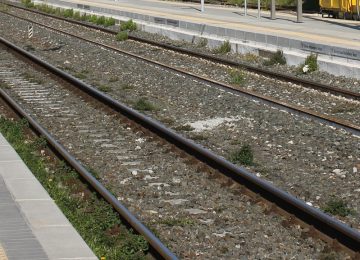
x,y
347,9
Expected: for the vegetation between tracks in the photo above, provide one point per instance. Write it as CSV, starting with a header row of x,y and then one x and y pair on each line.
x,y
336,206
125,27
243,156
94,218
223,48
69,13
276,58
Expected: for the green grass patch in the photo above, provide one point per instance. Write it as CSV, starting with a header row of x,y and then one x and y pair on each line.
x,y
143,104
127,87
251,58
336,206
243,156
30,78
109,22
104,88
69,13
95,220
237,77
113,79
4,8
128,26
202,43
80,75
223,48
77,16
199,137
276,58
27,3
100,20
122,36
186,128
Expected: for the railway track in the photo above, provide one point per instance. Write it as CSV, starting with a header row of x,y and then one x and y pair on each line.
x,y
74,121
333,162
321,117
235,64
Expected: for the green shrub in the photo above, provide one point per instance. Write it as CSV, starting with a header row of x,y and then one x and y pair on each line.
x,y
276,58
243,156
337,207
122,36
109,21
100,20
223,48
128,26
311,62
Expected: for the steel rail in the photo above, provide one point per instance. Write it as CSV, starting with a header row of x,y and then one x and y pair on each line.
x,y
343,124
154,242
355,129
325,224
278,75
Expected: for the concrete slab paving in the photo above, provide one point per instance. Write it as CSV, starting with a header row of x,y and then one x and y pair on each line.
x,y
15,170
183,21
7,155
60,241
31,225
3,141
27,189
43,213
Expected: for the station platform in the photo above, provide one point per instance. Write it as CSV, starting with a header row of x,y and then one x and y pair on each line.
x,y
337,42
31,225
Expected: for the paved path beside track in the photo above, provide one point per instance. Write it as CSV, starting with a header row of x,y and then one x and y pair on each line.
x,y
314,28
31,225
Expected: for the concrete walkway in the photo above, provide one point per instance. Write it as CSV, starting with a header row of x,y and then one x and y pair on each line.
x,y
337,42
31,225
342,33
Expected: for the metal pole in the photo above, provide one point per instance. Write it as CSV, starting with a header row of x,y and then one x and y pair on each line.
x,y
245,8
357,10
202,5
273,15
259,15
299,11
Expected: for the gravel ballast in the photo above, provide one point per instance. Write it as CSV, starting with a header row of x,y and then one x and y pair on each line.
x,y
308,159
283,91
195,212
